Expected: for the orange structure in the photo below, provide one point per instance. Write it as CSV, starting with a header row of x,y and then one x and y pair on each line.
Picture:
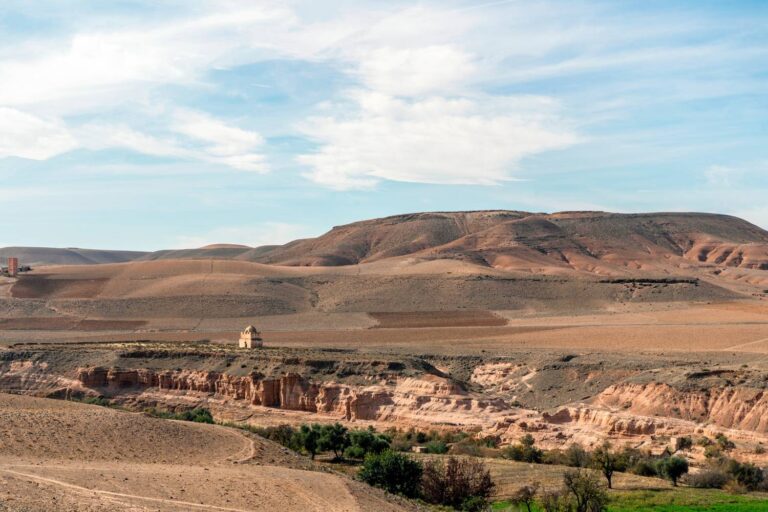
x,y
13,266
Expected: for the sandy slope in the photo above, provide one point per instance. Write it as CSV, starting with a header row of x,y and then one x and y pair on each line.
x,y
68,456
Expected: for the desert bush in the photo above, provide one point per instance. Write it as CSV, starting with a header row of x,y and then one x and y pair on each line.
x,y
197,415
713,451
734,487
525,451
395,472
401,445
577,457
724,443
466,447
708,479
436,446
97,400
556,501
645,467
685,443
282,434
746,474
457,482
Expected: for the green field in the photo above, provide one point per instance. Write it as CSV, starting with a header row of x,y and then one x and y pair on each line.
x,y
677,500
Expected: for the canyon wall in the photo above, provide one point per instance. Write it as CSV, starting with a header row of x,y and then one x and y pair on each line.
x,y
401,400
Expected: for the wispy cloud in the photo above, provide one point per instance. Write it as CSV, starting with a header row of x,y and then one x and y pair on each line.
x,y
476,140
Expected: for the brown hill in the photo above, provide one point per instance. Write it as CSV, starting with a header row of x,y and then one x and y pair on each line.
x,y
489,260
594,242
36,256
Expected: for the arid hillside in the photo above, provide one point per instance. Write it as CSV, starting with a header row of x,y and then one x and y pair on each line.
x,y
34,256
598,243
60,455
483,261
592,242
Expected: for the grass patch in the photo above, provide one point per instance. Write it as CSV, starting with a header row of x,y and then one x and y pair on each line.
x,y
686,499
197,415
680,499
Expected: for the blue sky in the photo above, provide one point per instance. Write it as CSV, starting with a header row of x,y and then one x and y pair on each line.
x,y
148,125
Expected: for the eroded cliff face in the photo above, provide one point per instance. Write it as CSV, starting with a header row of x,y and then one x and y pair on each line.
x,y
735,407
640,409
399,400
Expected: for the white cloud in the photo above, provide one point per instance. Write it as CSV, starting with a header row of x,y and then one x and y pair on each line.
x,y
121,64
227,145
27,136
266,233
473,140
415,71
225,140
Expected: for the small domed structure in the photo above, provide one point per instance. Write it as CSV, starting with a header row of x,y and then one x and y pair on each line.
x,y
250,338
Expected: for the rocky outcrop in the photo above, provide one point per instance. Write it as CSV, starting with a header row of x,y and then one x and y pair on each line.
x,y
734,407
403,399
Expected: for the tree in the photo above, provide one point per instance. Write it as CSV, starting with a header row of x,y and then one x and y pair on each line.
x,y
363,442
455,480
334,438
308,438
606,461
395,472
673,468
576,456
526,496
526,451
586,491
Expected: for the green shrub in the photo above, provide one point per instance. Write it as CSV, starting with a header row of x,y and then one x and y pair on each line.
x,y
645,467
366,441
746,474
97,400
437,447
197,415
525,451
395,472
355,452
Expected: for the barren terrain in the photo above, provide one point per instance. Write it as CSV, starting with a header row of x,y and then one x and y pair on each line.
x,y
58,455
573,327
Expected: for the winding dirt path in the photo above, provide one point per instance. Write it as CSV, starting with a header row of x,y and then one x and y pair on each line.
x,y
88,491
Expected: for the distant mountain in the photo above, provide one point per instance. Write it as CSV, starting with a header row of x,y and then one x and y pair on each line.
x,y
594,242
599,243
36,256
